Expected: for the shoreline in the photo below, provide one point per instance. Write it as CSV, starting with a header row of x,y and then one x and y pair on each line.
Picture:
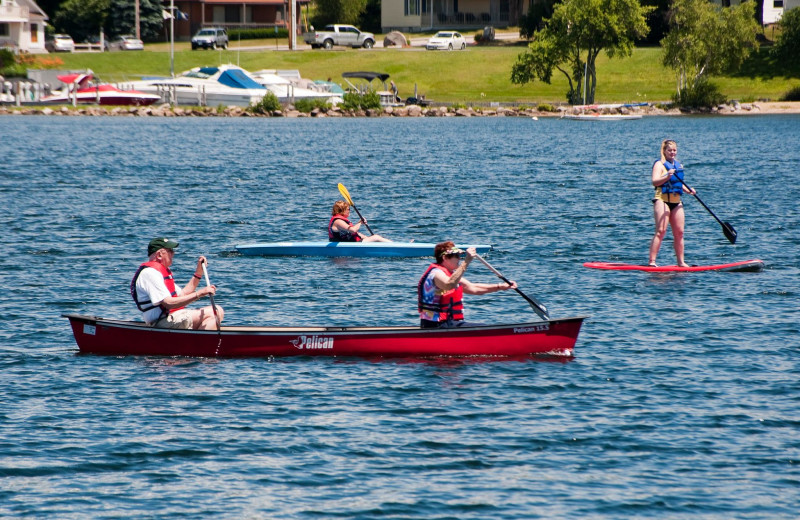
x,y
165,110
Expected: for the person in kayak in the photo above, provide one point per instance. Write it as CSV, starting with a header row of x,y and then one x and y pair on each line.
x,y
440,290
162,305
666,176
340,229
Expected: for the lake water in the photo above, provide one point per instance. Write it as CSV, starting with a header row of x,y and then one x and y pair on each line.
x,y
682,400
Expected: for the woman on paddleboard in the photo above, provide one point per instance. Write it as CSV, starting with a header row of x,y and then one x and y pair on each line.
x,y
667,177
340,229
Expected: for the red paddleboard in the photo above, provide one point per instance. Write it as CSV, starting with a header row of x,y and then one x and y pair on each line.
x,y
745,265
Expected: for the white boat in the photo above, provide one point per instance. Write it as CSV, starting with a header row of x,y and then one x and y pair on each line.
x,y
287,90
601,117
206,86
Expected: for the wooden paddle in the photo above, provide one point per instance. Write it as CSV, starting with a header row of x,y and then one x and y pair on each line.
x,y
346,195
213,305
538,307
727,229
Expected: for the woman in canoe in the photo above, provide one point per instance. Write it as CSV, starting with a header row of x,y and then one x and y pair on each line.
x,y
440,290
340,229
667,177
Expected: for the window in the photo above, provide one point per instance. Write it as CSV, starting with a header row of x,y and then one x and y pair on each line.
x,y
411,7
777,4
4,30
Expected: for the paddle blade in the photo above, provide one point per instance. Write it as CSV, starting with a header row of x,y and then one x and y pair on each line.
x,y
730,233
345,194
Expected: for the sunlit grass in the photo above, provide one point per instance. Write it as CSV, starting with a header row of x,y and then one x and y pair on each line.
x,y
479,74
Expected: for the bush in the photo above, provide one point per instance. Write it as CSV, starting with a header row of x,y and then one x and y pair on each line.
x,y
256,34
545,107
793,94
787,46
704,94
268,104
306,105
356,101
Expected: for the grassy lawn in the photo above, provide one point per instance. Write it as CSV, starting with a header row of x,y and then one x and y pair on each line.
x,y
479,74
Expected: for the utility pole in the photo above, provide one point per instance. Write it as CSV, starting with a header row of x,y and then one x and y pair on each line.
x,y
136,21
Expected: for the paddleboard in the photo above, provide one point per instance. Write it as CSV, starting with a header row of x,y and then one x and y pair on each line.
x,y
354,249
745,265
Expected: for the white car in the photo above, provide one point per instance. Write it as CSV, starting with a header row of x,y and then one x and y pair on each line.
x,y
125,43
446,40
59,43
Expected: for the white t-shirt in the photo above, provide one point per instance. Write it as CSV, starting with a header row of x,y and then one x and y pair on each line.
x,y
150,286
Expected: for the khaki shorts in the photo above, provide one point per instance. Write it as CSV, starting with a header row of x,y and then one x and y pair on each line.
x,y
181,319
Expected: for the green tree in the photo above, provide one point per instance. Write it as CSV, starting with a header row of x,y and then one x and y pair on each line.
x,y
122,18
581,28
338,11
706,40
81,18
787,46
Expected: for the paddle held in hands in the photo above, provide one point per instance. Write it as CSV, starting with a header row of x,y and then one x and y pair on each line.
x,y
346,195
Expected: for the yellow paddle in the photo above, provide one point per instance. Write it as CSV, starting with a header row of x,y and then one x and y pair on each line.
x,y
346,195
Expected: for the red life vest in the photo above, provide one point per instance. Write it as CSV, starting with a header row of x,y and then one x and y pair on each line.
x,y
169,281
447,306
342,236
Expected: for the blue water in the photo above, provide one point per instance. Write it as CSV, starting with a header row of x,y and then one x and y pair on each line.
x,y
682,400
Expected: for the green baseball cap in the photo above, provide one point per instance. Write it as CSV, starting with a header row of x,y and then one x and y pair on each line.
x,y
160,243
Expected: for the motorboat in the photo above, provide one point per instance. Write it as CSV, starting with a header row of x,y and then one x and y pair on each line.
x,y
289,90
96,335
351,249
80,89
388,97
206,86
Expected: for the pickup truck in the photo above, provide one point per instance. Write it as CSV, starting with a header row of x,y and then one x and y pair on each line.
x,y
336,34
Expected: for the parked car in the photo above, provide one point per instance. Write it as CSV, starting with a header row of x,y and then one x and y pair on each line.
x,y
446,40
338,34
59,43
125,43
210,38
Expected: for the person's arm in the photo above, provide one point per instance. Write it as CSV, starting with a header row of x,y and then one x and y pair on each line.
x,y
446,283
485,288
340,225
190,293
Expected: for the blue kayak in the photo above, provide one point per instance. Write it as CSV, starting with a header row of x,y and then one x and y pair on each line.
x,y
357,249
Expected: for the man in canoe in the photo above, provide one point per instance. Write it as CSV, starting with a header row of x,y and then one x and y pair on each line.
x,y
340,229
440,290
162,304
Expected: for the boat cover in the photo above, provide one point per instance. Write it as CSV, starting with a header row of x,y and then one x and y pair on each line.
x,y
235,78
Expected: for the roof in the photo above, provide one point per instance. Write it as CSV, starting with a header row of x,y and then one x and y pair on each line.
x,y
369,76
33,8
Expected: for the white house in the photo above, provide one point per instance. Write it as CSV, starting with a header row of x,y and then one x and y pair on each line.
x,y
22,26
424,15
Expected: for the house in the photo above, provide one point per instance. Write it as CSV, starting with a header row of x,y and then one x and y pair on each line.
x,y
771,10
430,15
22,26
235,14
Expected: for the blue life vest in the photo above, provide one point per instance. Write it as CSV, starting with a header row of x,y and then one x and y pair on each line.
x,y
673,185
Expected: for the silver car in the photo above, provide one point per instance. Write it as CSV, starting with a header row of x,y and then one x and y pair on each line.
x,y
125,43
210,38
59,43
446,40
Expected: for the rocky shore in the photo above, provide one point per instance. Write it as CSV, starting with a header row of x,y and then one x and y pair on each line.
x,y
165,110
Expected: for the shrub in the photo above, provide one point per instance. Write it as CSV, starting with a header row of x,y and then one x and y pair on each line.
x,y
787,46
256,34
793,94
306,105
704,94
268,104
356,101
545,107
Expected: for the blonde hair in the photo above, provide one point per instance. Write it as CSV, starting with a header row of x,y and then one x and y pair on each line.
x,y
664,144
340,207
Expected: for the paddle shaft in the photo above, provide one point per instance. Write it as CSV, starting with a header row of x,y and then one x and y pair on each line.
x,y
538,307
211,297
727,229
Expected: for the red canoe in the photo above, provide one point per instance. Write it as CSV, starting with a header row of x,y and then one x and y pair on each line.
x,y
115,337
